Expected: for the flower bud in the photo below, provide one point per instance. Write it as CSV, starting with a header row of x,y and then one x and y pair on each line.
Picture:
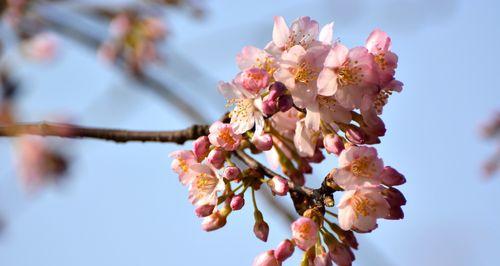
x,y
322,259
304,233
391,177
395,213
266,259
333,144
276,90
237,202
305,167
355,135
349,239
341,255
284,250
285,103
394,197
278,185
213,222
298,178
261,230
201,148
269,106
216,158
263,142
204,210
231,173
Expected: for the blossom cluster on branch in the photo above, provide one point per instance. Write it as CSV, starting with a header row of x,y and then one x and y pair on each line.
x,y
301,95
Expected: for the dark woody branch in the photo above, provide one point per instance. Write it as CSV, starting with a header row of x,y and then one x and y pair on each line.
x,y
116,135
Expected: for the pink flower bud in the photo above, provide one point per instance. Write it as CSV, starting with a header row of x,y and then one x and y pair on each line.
x,y
285,103
395,213
333,144
216,158
231,173
266,259
276,90
391,177
394,197
204,210
201,148
263,142
237,202
269,106
355,135
261,230
323,259
213,222
253,79
284,250
341,255
278,185
348,238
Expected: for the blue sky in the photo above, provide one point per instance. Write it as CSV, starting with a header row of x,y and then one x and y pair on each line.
x,y
123,206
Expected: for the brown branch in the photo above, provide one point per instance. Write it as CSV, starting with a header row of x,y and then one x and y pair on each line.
x,y
116,135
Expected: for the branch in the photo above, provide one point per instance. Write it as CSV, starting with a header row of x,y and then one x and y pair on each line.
x,y
116,135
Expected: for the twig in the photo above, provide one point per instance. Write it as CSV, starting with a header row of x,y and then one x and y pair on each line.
x,y
116,135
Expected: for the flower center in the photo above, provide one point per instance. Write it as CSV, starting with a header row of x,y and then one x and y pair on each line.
x,y
304,230
349,75
226,136
363,206
183,165
363,167
380,60
242,110
304,73
267,65
205,182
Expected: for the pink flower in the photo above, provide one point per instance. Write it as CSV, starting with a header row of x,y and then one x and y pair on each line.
x,y
261,230
358,166
183,159
333,144
201,148
237,202
278,185
323,259
120,25
42,46
204,210
231,173
391,177
304,233
305,139
266,259
253,79
154,28
360,208
222,135
247,108
379,44
252,57
284,250
216,158
205,185
347,74
213,222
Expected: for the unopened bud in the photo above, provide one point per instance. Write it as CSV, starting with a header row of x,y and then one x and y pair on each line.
x,y
269,106
263,142
355,135
285,103
201,148
317,157
237,202
284,250
266,259
394,197
231,173
276,90
261,230
333,144
391,177
395,213
298,178
278,185
204,210
213,222
216,158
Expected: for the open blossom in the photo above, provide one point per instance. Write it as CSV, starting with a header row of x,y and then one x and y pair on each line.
x,y
183,159
304,233
347,74
358,166
205,185
305,139
222,135
247,108
359,209
379,44
253,79
253,57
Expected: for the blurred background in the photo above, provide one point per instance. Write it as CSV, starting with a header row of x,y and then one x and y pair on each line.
x,y
122,205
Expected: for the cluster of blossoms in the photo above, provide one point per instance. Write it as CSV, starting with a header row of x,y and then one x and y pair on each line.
x,y
301,95
134,38
492,131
